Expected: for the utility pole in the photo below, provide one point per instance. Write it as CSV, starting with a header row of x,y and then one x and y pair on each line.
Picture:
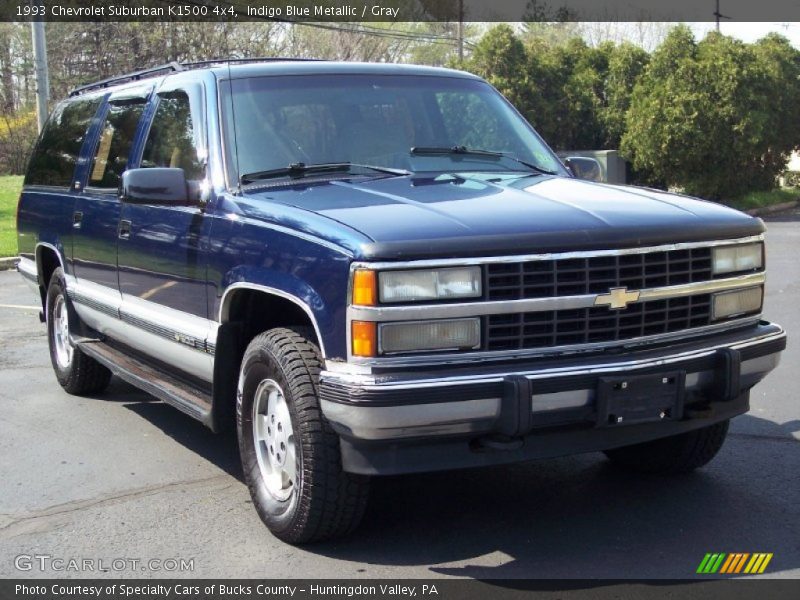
x,y
460,32
719,16
42,78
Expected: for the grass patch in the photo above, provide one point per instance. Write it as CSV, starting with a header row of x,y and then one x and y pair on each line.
x,y
762,199
10,186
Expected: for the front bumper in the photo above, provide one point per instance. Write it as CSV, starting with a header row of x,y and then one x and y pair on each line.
x,y
399,422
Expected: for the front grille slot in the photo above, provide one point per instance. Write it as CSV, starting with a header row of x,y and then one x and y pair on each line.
x,y
596,274
546,329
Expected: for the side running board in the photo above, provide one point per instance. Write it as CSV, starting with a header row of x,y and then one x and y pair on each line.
x,y
187,398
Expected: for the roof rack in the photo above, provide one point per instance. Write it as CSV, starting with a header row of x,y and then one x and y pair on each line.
x,y
135,76
174,67
242,61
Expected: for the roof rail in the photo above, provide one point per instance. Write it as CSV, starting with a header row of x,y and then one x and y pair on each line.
x,y
175,67
240,61
134,76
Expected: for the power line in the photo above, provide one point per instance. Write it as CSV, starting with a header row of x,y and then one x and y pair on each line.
x,y
360,29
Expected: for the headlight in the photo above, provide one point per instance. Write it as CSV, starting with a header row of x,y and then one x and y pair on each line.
x,y
446,334
437,284
732,259
738,302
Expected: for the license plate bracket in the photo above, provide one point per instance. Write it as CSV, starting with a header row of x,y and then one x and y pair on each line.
x,y
628,400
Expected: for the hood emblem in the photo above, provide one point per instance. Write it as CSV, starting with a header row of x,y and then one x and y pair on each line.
x,y
617,298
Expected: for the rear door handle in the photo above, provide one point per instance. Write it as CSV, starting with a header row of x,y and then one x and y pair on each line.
x,y
124,230
77,219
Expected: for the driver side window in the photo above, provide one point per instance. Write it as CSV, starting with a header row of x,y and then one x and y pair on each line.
x,y
171,140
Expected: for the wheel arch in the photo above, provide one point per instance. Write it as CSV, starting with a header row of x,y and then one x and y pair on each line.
x,y
48,259
246,310
230,305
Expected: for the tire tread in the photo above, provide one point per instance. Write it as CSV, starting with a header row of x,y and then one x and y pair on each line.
x,y
332,502
85,375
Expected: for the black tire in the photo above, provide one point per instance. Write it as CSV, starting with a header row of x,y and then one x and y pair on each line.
x,y
676,454
323,501
82,374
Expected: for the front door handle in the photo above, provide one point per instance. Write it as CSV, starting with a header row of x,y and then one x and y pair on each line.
x,y
77,219
124,230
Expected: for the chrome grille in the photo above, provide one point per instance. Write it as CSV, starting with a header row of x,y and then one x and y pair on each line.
x,y
596,274
596,324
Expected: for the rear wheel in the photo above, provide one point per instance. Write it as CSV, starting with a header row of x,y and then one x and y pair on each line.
x,y
290,454
674,454
77,373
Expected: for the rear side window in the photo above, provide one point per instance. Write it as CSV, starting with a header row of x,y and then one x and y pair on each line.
x,y
53,161
114,145
171,141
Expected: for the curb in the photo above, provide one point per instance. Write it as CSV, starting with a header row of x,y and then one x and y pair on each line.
x,y
767,210
8,263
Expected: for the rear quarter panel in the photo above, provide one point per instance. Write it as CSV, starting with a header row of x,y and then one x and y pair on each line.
x,y
45,216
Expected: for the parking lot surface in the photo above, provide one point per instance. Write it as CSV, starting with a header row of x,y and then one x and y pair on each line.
x,y
122,475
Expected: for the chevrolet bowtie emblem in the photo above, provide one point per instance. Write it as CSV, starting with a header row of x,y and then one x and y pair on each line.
x,y
617,298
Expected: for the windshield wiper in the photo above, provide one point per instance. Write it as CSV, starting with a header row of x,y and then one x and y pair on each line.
x,y
300,169
477,152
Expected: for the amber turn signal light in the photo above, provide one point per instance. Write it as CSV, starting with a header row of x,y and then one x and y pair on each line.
x,y
365,291
364,338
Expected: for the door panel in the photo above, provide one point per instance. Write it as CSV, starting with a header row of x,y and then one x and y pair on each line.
x,y
162,257
97,210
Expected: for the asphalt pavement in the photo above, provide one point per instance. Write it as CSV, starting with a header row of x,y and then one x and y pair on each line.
x,y
122,476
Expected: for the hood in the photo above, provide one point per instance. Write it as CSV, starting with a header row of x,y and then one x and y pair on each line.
x,y
490,214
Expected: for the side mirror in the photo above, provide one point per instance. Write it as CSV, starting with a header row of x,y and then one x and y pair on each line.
x,y
167,187
584,167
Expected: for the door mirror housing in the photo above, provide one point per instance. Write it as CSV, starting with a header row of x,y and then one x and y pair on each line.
x,y
160,186
584,167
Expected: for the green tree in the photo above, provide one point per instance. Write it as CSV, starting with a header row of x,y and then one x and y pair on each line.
x,y
558,88
500,58
626,63
705,116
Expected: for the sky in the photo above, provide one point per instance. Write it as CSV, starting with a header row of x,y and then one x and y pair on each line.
x,y
750,32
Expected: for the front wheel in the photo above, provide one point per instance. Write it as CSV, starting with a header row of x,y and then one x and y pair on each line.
x,y
290,454
675,454
77,373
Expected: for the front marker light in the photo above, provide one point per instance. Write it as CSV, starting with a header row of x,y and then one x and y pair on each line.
x,y
436,284
417,336
732,259
364,292
738,302
364,338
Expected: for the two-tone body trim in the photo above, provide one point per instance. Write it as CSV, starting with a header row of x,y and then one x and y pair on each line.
x,y
176,338
27,268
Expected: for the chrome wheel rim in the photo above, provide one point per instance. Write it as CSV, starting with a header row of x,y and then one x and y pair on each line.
x,y
63,345
274,441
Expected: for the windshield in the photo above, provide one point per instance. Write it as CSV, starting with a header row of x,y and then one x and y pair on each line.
x,y
390,121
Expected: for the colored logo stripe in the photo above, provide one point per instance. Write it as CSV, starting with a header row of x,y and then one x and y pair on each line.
x,y
728,564
758,563
711,563
734,563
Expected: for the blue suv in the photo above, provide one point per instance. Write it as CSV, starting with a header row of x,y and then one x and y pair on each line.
x,y
378,269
